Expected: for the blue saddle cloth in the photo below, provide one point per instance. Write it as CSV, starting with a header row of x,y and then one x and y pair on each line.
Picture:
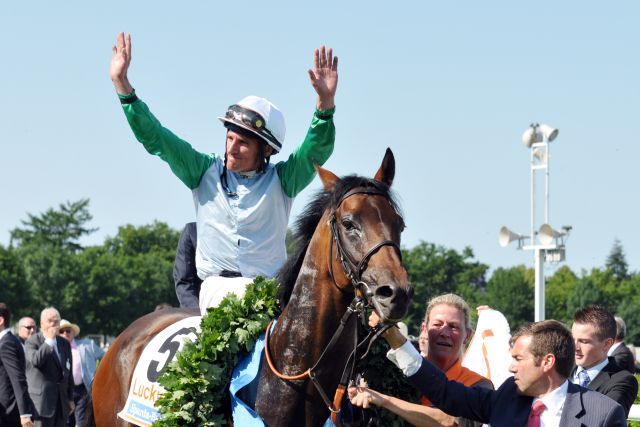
x,y
245,372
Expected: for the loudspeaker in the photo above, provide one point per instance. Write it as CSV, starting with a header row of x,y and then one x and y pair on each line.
x,y
506,236
537,133
548,131
529,137
548,235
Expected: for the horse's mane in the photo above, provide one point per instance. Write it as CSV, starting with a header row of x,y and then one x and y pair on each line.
x,y
307,223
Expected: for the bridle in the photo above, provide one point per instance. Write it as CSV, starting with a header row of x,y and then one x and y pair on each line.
x,y
346,259
354,271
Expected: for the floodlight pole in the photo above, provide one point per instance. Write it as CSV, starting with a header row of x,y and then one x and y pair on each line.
x,y
547,244
539,150
539,283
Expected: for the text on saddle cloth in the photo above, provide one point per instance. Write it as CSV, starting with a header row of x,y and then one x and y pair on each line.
x,y
161,350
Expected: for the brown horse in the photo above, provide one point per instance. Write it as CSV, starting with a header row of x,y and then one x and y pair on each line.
x,y
347,245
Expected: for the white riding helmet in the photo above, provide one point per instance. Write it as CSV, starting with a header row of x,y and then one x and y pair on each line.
x,y
260,117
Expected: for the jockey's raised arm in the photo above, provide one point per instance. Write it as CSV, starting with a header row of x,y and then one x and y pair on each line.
x,y
242,200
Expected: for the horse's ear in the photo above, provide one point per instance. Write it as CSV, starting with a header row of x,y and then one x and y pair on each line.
x,y
387,169
328,178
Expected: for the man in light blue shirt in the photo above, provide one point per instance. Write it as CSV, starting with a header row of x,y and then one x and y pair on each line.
x,y
593,331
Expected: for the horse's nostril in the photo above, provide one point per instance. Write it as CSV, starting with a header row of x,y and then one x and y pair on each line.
x,y
384,292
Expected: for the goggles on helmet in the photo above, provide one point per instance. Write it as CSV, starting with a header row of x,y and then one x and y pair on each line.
x,y
252,120
248,117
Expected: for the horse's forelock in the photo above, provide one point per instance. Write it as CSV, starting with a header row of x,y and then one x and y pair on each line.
x,y
306,224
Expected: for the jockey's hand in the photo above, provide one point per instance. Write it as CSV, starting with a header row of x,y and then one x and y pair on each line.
x,y
26,422
120,61
72,406
324,77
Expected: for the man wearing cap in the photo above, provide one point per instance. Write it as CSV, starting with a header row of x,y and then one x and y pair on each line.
x,y
85,355
242,201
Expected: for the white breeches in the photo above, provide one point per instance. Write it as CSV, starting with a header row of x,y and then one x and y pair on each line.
x,y
215,288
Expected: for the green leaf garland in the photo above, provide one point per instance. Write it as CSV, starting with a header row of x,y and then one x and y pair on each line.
x,y
197,381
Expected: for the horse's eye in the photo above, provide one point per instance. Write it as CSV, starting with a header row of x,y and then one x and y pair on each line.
x,y
349,225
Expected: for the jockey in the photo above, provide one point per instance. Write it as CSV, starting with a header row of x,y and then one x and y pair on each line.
x,y
242,200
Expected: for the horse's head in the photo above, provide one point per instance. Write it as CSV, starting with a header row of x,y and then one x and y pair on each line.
x,y
365,240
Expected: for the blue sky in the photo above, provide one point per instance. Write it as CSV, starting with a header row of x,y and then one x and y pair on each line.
x,y
449,86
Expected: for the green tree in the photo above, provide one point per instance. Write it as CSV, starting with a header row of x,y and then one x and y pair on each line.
x,y
627,307
510,291
48,247
585,292
617,262
14,288
61,228
102,288
128,276
434,270
558,289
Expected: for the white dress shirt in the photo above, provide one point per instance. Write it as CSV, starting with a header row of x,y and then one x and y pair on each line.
x,y
554,402
592,371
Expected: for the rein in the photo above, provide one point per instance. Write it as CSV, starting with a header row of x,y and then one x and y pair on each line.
x,y
358,305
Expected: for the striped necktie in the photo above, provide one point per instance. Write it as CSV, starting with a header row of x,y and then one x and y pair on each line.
x,y
583,376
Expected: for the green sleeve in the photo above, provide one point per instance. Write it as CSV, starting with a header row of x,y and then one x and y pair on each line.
x,y
186,163
297,171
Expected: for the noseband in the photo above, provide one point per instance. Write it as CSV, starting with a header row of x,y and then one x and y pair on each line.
x,y
358,305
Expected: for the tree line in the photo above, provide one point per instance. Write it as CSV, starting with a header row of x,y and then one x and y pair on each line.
x,y
103,288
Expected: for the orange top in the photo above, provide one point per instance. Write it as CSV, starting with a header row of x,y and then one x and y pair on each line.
x,y
458,373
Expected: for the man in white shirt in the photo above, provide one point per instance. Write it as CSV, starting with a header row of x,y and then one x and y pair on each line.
x,y
593,331
537,395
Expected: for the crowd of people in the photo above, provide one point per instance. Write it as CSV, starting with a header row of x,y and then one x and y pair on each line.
x,y
581,375
46,374
560,376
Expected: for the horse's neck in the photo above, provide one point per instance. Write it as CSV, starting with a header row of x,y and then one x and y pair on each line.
x,y
316,306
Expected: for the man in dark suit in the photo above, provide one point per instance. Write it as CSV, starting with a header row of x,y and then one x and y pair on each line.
x,y
26,328
49,372
593,331
619,351
185,275
16,407
542,358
